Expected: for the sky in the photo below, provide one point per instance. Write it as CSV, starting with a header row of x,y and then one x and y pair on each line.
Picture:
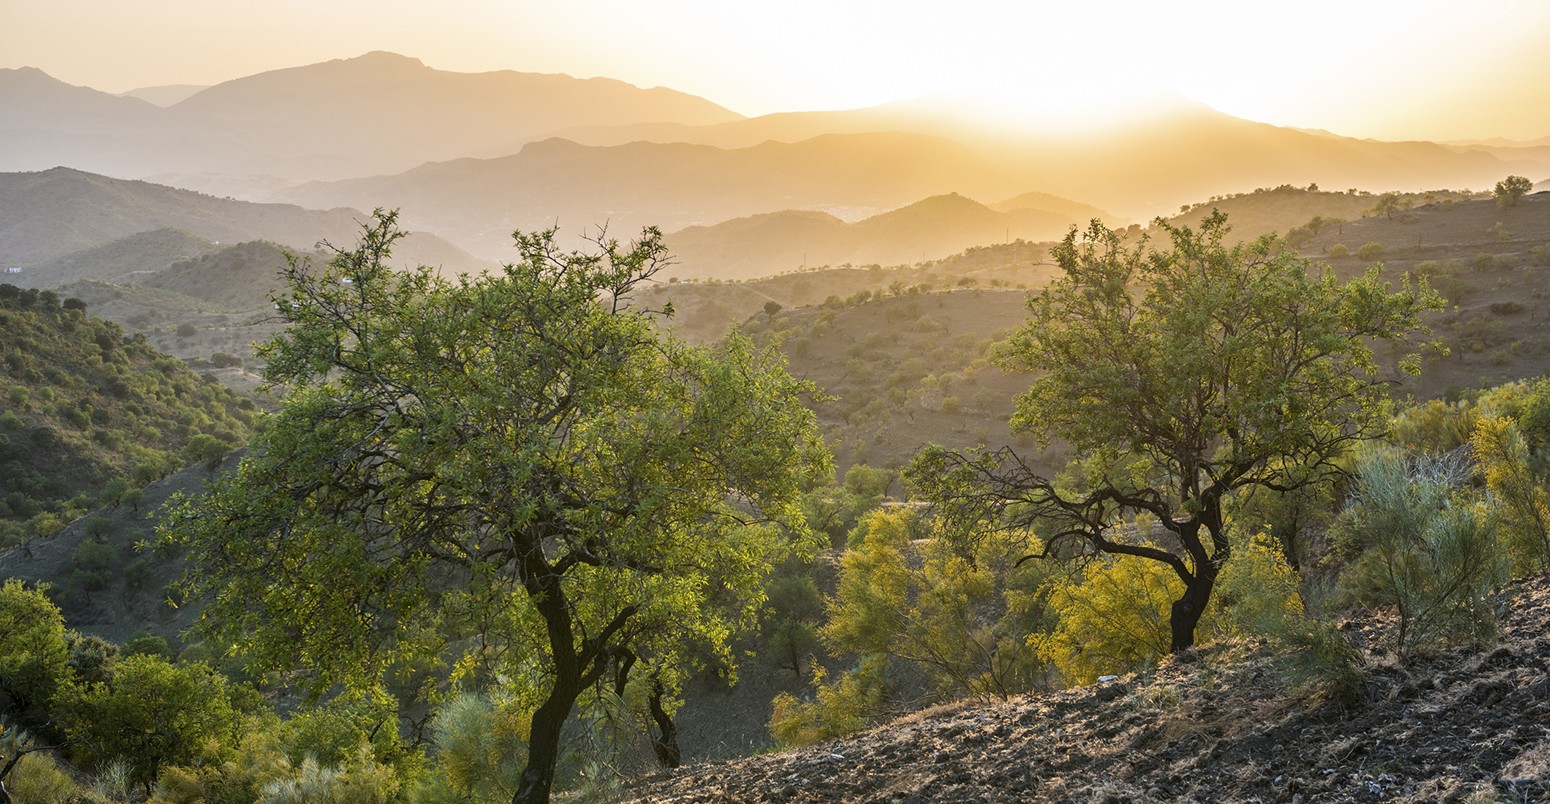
x,y
1386,69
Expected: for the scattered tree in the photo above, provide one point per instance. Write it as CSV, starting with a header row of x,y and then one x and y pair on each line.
x,y
517,471
1510,191
1179,376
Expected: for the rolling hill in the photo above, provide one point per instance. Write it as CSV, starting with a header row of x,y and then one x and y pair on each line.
x,y
761,245
48,215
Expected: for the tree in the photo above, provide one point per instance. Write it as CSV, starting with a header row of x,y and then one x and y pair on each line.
x,y
1179,376
34,655
1510,191
515,474
153,713
1390,203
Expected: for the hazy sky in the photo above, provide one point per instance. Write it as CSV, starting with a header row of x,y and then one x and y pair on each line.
x,y
1373,68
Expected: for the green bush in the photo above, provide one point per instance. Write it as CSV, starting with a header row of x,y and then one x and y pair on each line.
x,y
95,565
847,705
1420,547
1369,252
153,714
1338,250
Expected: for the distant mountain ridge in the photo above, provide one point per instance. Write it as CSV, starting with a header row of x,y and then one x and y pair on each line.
x,y
377,113
935,227
48,215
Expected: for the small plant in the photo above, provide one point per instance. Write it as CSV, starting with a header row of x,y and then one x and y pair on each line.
x,y
1338,250
1370,252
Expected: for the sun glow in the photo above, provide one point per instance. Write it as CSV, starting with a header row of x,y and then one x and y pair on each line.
x,y
1391,68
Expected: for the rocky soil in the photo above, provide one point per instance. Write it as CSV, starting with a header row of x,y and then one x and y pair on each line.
x,y
1220,725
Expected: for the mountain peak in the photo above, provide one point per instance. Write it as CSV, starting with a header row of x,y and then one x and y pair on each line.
x,y
384,58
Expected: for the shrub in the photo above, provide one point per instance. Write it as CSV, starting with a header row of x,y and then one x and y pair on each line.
x,y
1337,250
95,563
845,706
1369,252
1420,549
481,746
152,715
1504,457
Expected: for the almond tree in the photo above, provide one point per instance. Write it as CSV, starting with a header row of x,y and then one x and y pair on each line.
x,y
514,476
1179,376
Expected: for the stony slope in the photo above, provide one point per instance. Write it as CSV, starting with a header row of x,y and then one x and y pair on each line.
x,y
1469,725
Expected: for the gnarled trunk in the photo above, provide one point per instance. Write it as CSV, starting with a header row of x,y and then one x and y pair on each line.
x,y
543,750
665,743
1189,608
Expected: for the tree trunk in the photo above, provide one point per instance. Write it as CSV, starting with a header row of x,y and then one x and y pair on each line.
x,y
1188,609
543,750
664,744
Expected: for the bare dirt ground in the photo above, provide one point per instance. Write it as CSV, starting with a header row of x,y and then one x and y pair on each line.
x,y
1467,725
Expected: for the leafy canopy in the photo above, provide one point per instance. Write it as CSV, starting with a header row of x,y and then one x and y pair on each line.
x,y
514,477
1178,376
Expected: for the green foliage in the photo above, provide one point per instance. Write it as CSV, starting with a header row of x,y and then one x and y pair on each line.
x,y
1337,250
1510,191
1234,368
332,731
514,474
1420,549
1316,658
1110,619
791,628
151,714
94,408
1435,427
844,706
34,656
1503,455
37,777
96,565
906,591
360,779
481,745
92,658
1370,252
146,644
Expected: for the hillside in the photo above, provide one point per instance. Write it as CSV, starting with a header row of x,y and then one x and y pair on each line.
x,y
1488,262
239,277
477,202
86,406
144,251
762,245
903,371
1216,725
905,361
48,215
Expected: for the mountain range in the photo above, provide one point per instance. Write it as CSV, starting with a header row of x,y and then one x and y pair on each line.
x,y
472,157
